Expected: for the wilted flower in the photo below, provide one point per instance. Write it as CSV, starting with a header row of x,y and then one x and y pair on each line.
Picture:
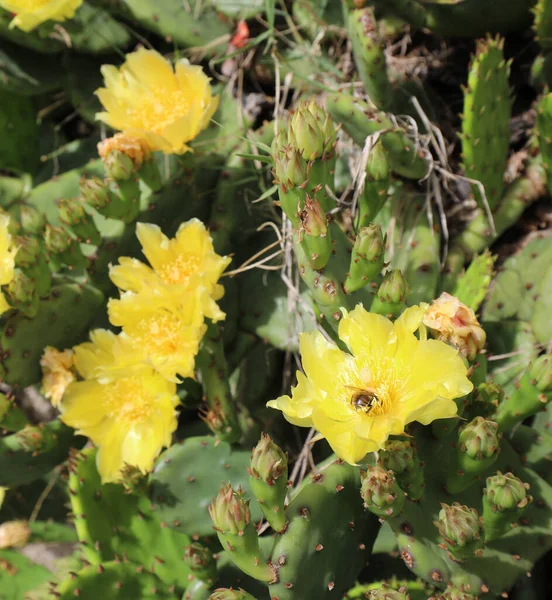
x,y
57,373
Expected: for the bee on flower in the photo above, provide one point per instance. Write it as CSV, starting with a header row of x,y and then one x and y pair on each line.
x,y
390,378
149,99
29,14
453,322
7,258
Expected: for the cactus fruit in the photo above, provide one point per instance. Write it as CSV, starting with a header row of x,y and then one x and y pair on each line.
x,y
381,493
462,530
366,259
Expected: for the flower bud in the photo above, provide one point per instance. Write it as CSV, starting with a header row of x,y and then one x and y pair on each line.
x,y
311,131
14,534
480,440
21,293
391,296
366,259
455,594
122,155
72,214
95,192
290,169
314,234
12,418
453,322
230,594
229,512
268,461
388,593
541,373
506,492
28,251
487,397
57,240
462,530
25,219
201,562
401,458
381,493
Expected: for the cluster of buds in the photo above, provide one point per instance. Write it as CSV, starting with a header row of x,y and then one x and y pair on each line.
x,y
381,493
401,458
453,322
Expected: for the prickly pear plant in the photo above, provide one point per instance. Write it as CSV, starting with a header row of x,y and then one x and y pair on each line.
x,y
274,299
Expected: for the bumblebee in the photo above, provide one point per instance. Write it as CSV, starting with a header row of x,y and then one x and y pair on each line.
x,y
364,400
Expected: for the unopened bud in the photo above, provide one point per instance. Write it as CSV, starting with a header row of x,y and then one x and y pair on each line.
x,y
14,534
401,458
290,169
391,296
230,594
201,562
72,214
462,530
388,593
21,289
314,234
487,397
268,461
480,440
25,219
453,322
122,155
541,373
95,192
367,258
311,131
57,240
381,493
229,512
28,251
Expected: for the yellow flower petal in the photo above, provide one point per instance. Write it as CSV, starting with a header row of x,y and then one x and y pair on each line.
x,y
7,255
391,378
58,371
31,13
162,105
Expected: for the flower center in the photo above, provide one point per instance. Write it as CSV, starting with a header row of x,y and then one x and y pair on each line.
x,y
160,109
180,269
159,332
128,401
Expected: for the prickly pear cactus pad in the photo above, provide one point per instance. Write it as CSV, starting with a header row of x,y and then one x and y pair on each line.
x,y
275,298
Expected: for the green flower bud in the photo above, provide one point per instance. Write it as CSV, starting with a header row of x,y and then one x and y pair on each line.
x,y
506,492
487,397
366,259
391,296
311,131
57,240
290,169
541,373
268,461
229,512
314,234
462,530
118,165
201,562
72,214
21,289
25,219
95,192
28,251
230,594
388,593
480,440
455,594
401,458
381,493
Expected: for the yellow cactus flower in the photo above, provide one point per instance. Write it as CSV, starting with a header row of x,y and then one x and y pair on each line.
x,y
453,322
128,412
391,378
58,372
159,330
14,534
31,13
7,258
149,99
186,262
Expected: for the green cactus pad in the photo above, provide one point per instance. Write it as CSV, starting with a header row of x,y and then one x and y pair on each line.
x,y
62,321
315,560
544,135
18,575
114,580
543,23
187,476
112,523
472,286
486,120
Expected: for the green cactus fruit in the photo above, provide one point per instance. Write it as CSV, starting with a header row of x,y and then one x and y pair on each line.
x,y
62,320
237,533
530,395
462,530
201,562
504,500
544,135
19,575
268,480
33,451
213,371
311,131
25,219
472,286
477,450
367,258
401,457
333,555
486,120
118,165
73,215
359,120
12,418
391,295
115,580
381,493
63,249
111,523
290,173
187,476
376,186
314,234
369,55
543,24
21,294
230,594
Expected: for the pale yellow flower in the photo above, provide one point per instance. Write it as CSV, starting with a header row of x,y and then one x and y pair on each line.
x,y
160,330
181,265
14,534
391,378
455,323
7,258
31,13
57,373
135,148
128,412
149,99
